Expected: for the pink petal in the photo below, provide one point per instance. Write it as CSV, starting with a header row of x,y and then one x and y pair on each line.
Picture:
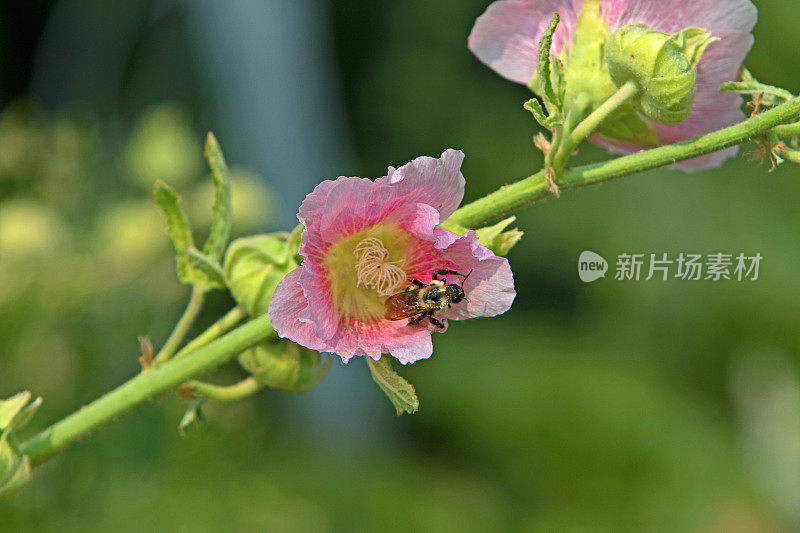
x,y
436,182
407,343
506,37
490,286
670,16
287,303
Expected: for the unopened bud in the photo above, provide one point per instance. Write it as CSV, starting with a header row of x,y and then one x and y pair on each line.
x,y
284,365
664,68
255,265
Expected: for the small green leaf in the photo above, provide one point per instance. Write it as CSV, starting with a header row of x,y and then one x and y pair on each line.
x,y
209,266
543,68
400,392
535,108
177,229
11,407
221,226
772,95
192,417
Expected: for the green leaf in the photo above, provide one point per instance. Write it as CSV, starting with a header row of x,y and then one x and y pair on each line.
x,y
543,69
209,266
535,108
400,392
749,85
177,229
221,226
192,417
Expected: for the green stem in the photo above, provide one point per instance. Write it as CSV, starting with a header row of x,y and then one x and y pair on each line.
x,y
231,318
182,327
588,125
787,130
226,393
526,191
143,387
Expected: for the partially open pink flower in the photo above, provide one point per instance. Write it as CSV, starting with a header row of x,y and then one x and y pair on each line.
x,y
506,38
363,241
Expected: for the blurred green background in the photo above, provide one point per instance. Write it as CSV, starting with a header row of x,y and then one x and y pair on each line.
x,y
611,406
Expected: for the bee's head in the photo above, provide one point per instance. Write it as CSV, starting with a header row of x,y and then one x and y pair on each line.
x,y
457,292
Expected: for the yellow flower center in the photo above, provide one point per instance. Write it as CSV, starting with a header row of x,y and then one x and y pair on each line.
x,y
374,269
364,268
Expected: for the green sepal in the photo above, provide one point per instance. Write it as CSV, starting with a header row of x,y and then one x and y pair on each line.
x,y
497,240
210,268
193,416
399,391
284,365
16,411
15,471
178,230
694,42
254,266
455,227
221,225
544,70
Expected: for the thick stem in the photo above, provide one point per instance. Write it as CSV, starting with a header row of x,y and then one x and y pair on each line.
x,y
143,387
182,327
526,191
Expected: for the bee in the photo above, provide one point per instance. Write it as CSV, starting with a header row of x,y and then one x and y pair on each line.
x,y
423,300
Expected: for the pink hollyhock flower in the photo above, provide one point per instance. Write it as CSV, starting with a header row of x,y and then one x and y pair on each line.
x,y
506,38
363,241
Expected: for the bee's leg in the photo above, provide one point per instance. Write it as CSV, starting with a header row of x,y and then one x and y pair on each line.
x,y
417,319
416,282
434,321
444,272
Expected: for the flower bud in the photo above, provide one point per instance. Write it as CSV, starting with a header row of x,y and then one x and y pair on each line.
x,y
664,67
254,266
284,365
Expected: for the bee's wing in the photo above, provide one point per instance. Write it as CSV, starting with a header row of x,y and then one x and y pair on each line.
x,y
403,305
